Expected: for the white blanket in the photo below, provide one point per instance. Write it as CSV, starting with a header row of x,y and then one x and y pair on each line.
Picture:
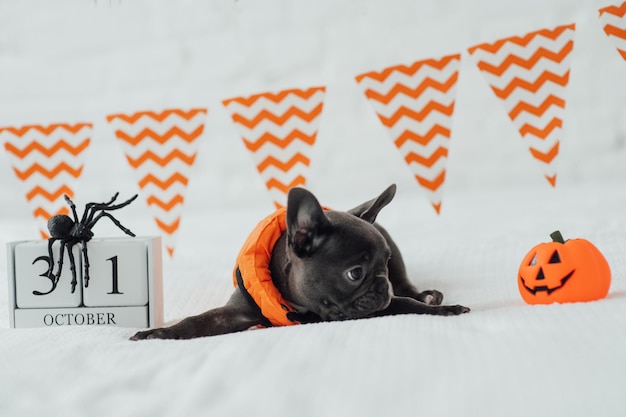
x,y
503,358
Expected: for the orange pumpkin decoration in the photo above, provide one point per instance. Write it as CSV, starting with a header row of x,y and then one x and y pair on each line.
x,y
563,272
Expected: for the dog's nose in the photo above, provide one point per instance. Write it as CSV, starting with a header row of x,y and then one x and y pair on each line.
x,y
382,286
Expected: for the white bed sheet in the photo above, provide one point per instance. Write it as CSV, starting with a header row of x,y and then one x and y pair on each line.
x,y
503,358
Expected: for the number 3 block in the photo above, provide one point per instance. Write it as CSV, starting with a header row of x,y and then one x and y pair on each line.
x,y
124,286
35,289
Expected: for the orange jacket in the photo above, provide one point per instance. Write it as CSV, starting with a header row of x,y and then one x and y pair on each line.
x,y
252,270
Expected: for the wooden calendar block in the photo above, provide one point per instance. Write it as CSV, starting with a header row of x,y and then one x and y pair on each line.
x,y
124,286
118,274
108,316
33,287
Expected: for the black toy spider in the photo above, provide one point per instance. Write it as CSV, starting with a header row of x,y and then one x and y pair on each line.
x,y
71,232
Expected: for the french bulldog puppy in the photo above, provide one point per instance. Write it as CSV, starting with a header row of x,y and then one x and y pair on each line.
x,y
314,265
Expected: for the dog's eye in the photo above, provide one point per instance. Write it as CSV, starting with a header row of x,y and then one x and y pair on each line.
x,y
355,273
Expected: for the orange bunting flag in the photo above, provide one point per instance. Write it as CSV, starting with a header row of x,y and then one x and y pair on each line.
x,y
161,147
416,103
613,19
530,74
279,129
49,161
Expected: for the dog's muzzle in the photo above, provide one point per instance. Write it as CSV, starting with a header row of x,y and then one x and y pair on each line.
x,y
377,297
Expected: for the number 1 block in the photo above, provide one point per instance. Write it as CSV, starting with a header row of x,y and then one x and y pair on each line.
x,y
110,260
124,286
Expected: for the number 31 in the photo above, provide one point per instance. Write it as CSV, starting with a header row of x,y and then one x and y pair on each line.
x,y
54,281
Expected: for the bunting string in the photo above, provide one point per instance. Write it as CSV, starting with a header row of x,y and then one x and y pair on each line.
x,y
415,103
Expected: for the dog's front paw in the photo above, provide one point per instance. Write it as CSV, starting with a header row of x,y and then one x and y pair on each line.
x,y
431,297
454,310
161,333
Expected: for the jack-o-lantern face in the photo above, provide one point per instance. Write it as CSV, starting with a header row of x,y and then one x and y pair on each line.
x,y
563,271
552,273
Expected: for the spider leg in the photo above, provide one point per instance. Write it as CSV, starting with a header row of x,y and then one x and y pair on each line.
x,y
86,213
124,204
113,219
61,253
109,207
72,206
51,263
70,246
89,208
86,258
50,255
90,218
112,199
89,213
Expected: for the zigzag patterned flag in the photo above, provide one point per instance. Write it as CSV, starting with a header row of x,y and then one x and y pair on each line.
x,y
613,19
416,103
161,148
49,161
530,74
279,129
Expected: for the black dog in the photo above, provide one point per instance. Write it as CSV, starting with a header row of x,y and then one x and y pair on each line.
x,y
308,264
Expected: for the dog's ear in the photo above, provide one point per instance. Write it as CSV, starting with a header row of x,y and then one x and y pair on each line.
x,y
307,224
370,209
